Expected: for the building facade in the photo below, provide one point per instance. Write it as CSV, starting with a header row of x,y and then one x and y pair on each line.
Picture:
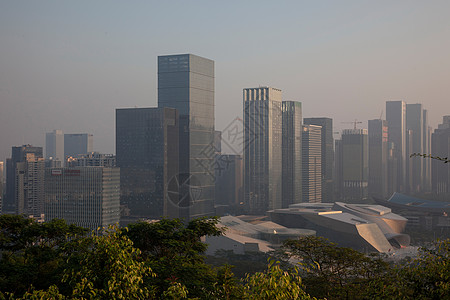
x,y
93,159
415,141
292,153
78,143
85,196
396,118
186,83
262,149
54,145
355,164
25,181
440,170
378,158
147,145
327,156
312,164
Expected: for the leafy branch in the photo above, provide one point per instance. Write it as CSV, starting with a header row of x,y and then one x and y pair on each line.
x,y
444,159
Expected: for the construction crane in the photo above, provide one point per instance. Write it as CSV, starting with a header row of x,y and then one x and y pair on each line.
x,y
354,123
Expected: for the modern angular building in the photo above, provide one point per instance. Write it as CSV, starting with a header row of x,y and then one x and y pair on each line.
x,y
378,158
25,181
396,118
186,83
355,165
292,153
78,143
312,164
262,149
327,155
147,145
54,145
84,196
366,228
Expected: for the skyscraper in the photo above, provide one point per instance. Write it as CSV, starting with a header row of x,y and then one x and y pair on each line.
x,y
312,163
84,196
355,164
327,155
54,145
25,181
262,149
78,143
396,118
1,187
147,153
186,82
292,153
440,170
415,127
378,158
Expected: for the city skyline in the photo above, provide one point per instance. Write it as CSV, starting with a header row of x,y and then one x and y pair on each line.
x,y
60,73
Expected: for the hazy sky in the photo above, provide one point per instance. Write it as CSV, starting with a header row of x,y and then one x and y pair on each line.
x,y
68,64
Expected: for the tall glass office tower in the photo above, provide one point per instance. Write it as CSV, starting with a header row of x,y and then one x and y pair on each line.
x,y
396,118
186,82
292,153
327,155
262,149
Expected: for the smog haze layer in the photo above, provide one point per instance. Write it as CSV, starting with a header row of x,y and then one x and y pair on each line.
x,y
69,65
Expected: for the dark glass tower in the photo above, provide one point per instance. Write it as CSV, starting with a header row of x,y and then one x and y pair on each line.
x,y
186,82
147,154
327,155
378,158
292,153
355,164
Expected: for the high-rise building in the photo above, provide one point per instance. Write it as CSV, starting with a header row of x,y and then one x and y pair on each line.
x,y
147,153
78,143
327,155
54,145
1,187
186,82
262,149
229,181
355,165
378,158
426,172
396,118
84,196
415,135
291,153
93,159
338,170
440,170
312,163
25,181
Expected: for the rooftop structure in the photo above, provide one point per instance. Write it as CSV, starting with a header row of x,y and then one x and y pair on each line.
x,y
370,228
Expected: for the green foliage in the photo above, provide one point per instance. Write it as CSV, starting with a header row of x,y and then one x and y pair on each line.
x,y
428,276
174,251
274,283
33,253
109,270
334,272
242,264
